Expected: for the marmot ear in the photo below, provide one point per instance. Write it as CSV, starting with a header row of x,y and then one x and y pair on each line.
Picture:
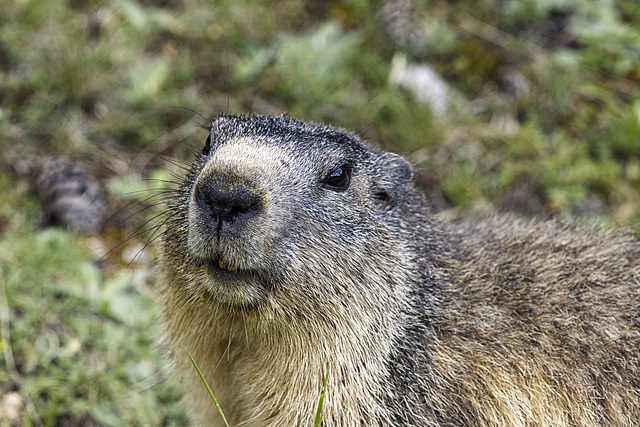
x,y
392,178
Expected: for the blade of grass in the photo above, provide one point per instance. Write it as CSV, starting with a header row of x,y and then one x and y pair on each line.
x,y
5,332
209,388
321,401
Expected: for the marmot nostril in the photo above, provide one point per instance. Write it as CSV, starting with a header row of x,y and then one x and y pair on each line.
x,y
227,203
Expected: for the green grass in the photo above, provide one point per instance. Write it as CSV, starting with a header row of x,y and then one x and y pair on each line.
x,y
553,116
206,384
317,419
75,343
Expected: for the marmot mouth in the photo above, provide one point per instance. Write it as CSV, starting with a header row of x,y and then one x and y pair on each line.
x,y
234,287
223,269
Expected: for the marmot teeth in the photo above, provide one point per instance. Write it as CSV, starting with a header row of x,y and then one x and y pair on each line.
x,y
225,265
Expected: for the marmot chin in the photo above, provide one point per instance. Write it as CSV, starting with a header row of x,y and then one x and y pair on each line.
x,y
292,244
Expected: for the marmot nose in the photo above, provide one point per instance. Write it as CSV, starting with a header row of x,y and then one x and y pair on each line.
x,y
228,202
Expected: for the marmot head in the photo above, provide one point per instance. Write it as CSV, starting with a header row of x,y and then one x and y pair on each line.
x,y
276,210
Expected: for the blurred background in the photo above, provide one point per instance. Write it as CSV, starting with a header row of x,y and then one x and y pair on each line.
x,y
523,106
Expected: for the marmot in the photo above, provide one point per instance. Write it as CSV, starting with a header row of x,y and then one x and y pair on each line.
x,y
292,244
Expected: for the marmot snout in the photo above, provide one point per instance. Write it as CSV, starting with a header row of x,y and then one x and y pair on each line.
x,y
227,202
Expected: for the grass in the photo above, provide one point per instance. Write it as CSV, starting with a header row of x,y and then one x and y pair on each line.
x,y
78,346
206,384
317,419
550,127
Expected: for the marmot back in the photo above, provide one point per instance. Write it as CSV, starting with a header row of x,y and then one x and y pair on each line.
x,y
292,244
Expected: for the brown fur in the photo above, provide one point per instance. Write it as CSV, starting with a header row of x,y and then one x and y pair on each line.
x,y
500,322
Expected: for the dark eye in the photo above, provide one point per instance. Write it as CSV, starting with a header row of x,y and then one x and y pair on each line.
x,y
338,180
207,146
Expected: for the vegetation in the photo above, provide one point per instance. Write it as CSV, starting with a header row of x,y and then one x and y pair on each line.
x,y
547,123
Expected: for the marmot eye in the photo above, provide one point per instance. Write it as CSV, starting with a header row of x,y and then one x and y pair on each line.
x,y
207,146
338,180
